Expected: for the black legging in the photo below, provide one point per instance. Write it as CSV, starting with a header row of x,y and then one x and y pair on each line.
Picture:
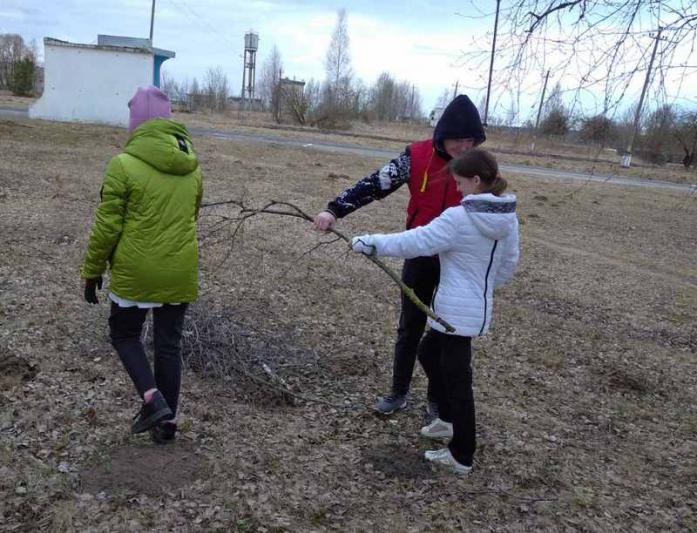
x,y
126,325
450,382
421,274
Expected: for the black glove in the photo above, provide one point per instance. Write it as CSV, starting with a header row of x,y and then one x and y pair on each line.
x,y
91,286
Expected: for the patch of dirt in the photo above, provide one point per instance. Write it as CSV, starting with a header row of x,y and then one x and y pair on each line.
x,y
398,462
146,468
15,370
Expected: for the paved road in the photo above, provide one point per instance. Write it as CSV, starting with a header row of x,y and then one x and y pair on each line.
x,y
12,112
373,152
561,175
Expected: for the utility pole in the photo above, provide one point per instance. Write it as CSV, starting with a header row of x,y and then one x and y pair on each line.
x,y
457,84
627,157
491,64
411,105
539,112
152,20
244,80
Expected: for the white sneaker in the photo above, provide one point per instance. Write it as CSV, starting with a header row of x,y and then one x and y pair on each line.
x,y
438,429
444,457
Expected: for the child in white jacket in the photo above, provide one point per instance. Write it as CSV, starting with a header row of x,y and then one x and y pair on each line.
x,y
477,244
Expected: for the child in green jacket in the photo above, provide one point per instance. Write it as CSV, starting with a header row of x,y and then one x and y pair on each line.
x,y
145,230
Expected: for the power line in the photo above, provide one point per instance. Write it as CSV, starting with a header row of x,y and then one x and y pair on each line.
x,y
202,21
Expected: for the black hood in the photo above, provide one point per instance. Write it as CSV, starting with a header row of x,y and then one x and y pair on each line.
x,y
460,120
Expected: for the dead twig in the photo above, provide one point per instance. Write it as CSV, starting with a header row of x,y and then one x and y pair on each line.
x,y
279,385
299,213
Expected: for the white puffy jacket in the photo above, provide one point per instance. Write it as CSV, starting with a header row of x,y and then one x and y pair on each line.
x,y
477,243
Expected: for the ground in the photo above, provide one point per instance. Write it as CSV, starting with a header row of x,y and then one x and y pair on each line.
x,y
586,386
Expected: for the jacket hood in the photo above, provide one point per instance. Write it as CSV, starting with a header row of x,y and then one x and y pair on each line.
x,y
460,120
494,216
165,145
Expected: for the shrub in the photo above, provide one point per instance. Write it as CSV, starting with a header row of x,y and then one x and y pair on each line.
x,y
22,81
555,123
598,129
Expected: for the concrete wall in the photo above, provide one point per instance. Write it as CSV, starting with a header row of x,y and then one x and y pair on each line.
x,y
91,83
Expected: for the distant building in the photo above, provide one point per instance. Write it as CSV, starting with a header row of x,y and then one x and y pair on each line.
x,y
93,83
290,98
201,100
289,86
434,116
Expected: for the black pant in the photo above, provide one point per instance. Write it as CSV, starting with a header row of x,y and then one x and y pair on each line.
x,y
422,275
450,380
126,325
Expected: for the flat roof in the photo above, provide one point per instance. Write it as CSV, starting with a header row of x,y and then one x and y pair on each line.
x,y
135,42
136,46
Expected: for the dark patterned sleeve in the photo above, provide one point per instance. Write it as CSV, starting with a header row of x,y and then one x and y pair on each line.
x,y
376,186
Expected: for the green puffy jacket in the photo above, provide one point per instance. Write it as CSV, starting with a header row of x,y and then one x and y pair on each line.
x,y
145,225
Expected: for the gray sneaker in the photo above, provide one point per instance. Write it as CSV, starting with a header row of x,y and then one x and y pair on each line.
x,y
390,403
438,429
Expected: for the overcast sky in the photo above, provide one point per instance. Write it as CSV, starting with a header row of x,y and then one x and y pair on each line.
x,y
420,41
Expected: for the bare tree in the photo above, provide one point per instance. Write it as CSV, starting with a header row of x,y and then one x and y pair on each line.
x,y
444,99
169,85
604,44
338,64
294,100
598,129
392,100
216,88
194,95
184,88
382,97
556,117
686,134
12,51
268,86
403,95
313,94
360,95
415,105
178,91
657,141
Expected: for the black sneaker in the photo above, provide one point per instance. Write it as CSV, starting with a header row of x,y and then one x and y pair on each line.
x,y
151,413
164,432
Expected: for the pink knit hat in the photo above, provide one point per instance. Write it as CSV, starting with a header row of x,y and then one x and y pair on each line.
x,y
148,102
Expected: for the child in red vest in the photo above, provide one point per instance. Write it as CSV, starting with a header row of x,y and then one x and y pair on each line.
x,y
424,167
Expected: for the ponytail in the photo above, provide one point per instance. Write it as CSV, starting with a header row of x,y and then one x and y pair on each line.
x,y
498,186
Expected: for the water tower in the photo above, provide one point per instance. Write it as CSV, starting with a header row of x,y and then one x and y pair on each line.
x,y
251,44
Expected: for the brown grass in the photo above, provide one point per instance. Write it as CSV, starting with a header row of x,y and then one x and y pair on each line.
x,y
7,99
585,388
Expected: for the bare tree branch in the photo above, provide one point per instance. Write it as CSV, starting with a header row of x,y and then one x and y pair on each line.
x,y
296,212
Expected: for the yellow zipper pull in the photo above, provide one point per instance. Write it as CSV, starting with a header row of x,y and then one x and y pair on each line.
x,y
425,181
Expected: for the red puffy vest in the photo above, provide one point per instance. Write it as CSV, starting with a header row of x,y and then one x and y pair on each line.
x,y
431,185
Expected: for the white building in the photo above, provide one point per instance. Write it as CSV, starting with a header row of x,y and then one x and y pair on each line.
x,y
434,116
93,83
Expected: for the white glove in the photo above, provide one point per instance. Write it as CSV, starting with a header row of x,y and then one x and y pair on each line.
x,y
363,245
